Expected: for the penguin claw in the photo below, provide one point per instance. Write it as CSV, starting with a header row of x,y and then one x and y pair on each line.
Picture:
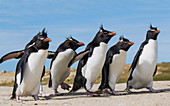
x,y
106,91
128,90
19,101
56,93
65,86
36,97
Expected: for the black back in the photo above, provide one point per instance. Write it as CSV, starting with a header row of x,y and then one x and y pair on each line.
x,y
123,44
101,36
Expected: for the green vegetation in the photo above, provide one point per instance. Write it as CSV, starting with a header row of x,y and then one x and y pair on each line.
x,y
163,74
10,84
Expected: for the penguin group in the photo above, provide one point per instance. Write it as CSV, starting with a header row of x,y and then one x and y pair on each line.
x,y
95,59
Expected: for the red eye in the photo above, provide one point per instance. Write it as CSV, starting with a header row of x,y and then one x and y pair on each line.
x,y
103,34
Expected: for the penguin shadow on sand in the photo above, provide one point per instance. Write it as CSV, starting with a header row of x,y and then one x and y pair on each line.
x,y
145,92
72,95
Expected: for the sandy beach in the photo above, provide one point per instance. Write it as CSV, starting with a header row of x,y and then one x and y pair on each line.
x,y
140,97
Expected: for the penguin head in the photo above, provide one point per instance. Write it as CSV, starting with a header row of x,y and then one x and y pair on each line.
x,y
103,35
72,43
152,33
42,37
42,40
124,44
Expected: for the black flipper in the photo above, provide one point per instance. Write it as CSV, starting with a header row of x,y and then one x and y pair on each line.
x,y
55,55
155,71
50,54
136,58
23,63
105,71
77,57
11,55
80,80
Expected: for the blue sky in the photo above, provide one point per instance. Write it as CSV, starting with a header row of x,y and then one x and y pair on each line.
x,y
20,20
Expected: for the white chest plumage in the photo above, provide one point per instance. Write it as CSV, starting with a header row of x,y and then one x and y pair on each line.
x,y
32,73
59,68
143,73
116,68
95,63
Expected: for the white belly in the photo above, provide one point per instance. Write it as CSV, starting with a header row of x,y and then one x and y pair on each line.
x,y
32,75
59,69
116,68
143,73
95,63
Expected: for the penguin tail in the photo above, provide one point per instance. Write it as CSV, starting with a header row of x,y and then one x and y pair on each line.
x,y
79,82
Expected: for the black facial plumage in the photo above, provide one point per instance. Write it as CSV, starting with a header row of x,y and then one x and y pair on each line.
x,y
103,35
42,41
73,43
152,33
124,43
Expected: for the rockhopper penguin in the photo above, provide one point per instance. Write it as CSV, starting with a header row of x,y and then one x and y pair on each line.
x,y
90,66
30,67
114,64
60,70
18,55
144,65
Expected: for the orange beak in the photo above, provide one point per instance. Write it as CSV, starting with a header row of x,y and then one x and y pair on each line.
x,y
131,43
112,33
158,31
47,39
80,44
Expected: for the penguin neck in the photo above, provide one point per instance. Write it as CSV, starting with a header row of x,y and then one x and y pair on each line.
x,y
102,44
153,43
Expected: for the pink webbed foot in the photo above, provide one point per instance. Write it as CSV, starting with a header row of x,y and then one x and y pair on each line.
x,y
18,99
44,94
36,97
128,90
106,91
116,93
